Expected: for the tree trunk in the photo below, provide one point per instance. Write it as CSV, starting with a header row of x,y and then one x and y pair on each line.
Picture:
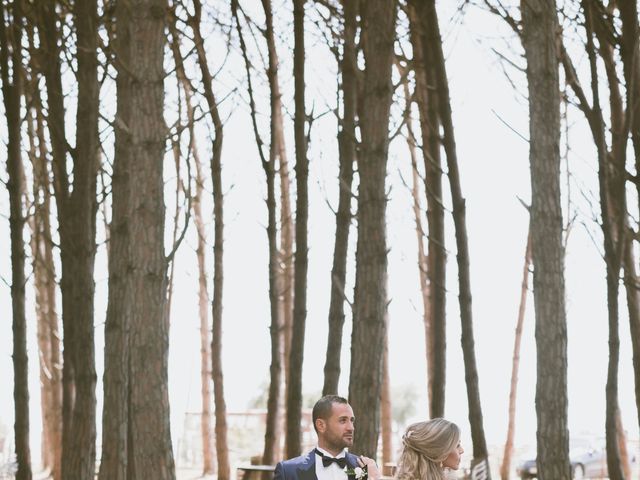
x,y
208,467
630,53
386,420
285,272
76,204
49,345
505,467
273,413
272,436
423,273
370,297
175,150
632,289
423,261
83,208
287,269
12,94
55,120
540,28
272,433
294,384
222,447
480,452
45,290
136,433
347,153
625,462
205,337
613,208
427,98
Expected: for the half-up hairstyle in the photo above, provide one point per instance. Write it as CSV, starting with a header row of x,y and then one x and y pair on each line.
x,y
425,445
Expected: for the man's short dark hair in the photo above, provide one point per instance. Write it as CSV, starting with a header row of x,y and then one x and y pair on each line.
x,y
323,407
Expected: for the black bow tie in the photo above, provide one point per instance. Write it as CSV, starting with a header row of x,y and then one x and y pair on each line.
x,y
326,460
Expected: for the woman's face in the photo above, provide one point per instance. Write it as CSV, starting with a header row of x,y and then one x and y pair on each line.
x,y
453,459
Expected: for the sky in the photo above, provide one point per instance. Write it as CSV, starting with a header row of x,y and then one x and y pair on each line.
x,y
490,120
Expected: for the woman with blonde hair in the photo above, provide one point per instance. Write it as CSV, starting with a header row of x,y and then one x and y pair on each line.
x,y
428,448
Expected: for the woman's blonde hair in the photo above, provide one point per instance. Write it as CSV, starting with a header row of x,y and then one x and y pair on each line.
x,y
425,445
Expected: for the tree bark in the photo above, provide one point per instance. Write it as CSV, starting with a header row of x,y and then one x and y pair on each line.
x,y
625,462
370,297
540,27
386,420
427,98
83,208
294,384
136,433
505,467
10,41
347,154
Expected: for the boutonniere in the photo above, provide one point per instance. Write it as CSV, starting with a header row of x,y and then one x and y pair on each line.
x,y
359,473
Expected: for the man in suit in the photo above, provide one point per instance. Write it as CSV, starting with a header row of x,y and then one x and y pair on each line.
x,y
333,422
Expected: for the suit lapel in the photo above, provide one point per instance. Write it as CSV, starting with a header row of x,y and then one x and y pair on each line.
x,y
352,460
307,471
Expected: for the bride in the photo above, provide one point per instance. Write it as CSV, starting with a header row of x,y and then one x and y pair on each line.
x,y
428,448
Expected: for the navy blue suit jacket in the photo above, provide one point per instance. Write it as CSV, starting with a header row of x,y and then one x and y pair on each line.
x,y
304,467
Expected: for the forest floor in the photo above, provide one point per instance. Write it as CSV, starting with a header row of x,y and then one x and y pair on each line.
x,y
192,474
181,474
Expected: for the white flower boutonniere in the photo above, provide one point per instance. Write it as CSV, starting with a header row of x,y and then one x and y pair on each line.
x,y
359,473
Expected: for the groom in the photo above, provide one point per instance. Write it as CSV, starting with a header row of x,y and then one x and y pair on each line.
x,y
333,421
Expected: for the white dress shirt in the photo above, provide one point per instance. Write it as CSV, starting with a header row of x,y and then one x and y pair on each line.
x,y
333,471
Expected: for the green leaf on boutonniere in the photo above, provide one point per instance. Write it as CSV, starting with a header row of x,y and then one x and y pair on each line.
x,y
359,473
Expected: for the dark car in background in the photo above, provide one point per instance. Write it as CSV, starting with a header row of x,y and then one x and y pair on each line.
x,y
588,460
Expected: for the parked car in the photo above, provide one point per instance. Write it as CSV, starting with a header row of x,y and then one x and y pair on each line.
x,y
588,460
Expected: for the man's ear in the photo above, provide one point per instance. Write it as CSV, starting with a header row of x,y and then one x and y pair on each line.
x,y
321,425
